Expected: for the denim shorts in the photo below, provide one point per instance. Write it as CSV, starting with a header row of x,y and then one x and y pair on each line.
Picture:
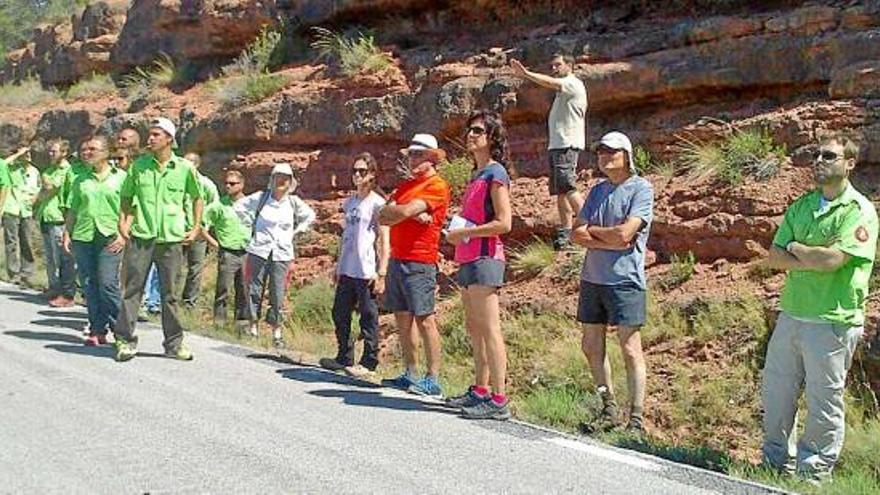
x,y
487,272
623,305
563,170
410,286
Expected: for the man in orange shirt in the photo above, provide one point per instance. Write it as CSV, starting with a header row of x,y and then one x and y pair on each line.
x,y
416,213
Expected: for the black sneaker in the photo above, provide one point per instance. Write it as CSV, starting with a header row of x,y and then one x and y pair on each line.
x,y
487,409
467,399
331,364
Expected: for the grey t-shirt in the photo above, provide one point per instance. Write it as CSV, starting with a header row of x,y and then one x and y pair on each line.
x,y
608,205
566,120
357,256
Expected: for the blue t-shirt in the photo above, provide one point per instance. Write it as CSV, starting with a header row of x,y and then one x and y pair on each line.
x,y
609,205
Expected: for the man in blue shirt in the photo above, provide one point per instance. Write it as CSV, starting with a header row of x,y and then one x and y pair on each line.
x,y
613,225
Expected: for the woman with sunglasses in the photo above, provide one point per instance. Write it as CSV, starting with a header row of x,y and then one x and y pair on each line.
x,y
485,216
360,271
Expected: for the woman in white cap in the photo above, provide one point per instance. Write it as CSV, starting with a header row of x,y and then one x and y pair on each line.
x,y
276,217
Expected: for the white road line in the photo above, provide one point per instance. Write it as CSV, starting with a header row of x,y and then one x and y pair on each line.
x,y
609,454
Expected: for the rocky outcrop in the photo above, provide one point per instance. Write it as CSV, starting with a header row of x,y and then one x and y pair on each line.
x,y
195,31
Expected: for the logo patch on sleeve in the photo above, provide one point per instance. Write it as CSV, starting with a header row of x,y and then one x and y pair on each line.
x,y
862,234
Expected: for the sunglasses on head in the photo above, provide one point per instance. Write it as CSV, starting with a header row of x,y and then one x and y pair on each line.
x,y
825,155
476,130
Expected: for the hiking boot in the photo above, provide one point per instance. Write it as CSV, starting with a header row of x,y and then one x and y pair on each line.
x,y
562,239
124,351
427,387
606,421
487,409
467,399
331,364
635,425
181,353
402,382
361,372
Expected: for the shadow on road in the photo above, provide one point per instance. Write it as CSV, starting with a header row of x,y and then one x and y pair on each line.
x,y
27,297
53,336
376,399
320,375
63,314
104,351
59,322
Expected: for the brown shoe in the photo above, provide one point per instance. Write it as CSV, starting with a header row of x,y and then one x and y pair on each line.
x,y
61,302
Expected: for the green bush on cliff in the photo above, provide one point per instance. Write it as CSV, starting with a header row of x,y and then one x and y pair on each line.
x,y
26,94
355,55
257,57
249,89
98,85
141,82
741,153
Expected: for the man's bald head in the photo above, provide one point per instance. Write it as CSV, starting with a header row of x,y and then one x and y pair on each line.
x,y
128,139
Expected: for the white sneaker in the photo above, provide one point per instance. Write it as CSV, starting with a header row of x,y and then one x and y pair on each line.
x,y
362,373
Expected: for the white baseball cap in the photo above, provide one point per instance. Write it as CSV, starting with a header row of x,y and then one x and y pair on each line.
x,y
282,169
618,141
421,142
164,124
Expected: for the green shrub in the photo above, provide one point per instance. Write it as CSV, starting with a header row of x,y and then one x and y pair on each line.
x,y
715,318
311,307
249,89
98,85
257,57
533,259
28,93
681,270
357,54
141,82
741,153
570,267
457,172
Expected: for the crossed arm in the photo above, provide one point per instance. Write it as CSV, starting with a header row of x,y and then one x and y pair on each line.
x,y
393,213
616,238
802,257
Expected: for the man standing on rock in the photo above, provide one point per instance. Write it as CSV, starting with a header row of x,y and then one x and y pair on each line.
x,y
194,253
60,267
159,181
416,213
827,242
567,136
614,225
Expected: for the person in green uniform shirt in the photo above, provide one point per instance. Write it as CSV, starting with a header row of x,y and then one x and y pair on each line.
x,y
826,242
18,220
60,269
5,179
194,253
154,232
230,238
92,235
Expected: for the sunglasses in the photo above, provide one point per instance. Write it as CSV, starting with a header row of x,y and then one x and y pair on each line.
x,y
476,130
360,171
230,183
825,155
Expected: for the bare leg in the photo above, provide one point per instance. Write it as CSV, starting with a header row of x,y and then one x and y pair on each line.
x,y
472,323
431,336
409,340
484,306
636,372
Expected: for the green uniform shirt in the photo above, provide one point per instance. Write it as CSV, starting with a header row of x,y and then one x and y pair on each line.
x,y
5,180
49,208
209,196
229,230
159,196
24,187
96,204
77,168
850,223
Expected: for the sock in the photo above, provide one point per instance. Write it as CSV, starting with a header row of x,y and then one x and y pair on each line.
x,y
636,412
499,399
480,391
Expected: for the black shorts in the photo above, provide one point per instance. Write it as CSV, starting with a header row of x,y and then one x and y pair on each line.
x,y
563,170
624,305
410,286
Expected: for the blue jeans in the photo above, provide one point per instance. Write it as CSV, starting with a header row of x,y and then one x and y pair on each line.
x,y
99,273
152,299
60,269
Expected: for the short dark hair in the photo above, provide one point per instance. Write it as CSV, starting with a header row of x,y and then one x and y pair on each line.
x,y
568,59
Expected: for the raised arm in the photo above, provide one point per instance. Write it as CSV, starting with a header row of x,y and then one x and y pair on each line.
x,y
542,80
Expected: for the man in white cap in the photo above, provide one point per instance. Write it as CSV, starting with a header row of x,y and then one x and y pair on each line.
x,y
275,216
154,232
416,214
613,225
567,136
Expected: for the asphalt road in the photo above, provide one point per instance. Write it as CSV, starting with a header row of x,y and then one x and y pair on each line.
x,y
74,421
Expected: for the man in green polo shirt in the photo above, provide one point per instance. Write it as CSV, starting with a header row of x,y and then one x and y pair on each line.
x,y
60,269
194,253
5,179
231,236
159,181
18,220
826,242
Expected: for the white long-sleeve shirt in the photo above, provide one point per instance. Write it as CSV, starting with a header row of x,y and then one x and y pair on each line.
x,y
277,225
